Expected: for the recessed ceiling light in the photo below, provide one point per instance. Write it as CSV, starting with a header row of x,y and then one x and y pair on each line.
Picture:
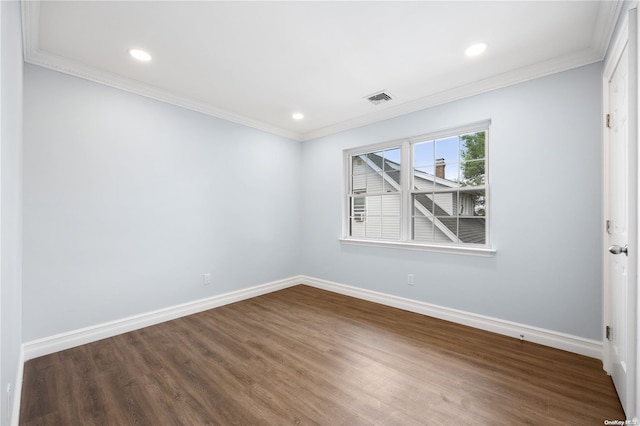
x,y
297,116
475,49
140,55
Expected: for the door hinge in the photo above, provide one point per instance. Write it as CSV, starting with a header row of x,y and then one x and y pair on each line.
x,y
609,227
608,120
608,333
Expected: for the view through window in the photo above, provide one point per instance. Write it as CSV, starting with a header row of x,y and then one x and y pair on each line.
x,y
427,190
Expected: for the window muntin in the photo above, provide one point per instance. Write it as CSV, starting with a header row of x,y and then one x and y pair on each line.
x,y
425,191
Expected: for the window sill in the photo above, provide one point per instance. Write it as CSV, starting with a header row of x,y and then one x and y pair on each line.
x,y
471,251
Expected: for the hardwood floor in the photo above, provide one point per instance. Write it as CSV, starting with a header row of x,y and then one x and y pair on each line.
x,y
305,356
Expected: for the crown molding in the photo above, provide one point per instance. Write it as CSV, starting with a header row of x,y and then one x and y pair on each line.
x,y
66,66
30,28
521,75
34,55
607,18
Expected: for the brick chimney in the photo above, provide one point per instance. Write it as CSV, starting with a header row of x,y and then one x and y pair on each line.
x,y
440,168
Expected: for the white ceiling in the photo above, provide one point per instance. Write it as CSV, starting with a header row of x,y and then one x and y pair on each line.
x,y
256,63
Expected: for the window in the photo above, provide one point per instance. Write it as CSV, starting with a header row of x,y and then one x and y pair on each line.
x,y
426,191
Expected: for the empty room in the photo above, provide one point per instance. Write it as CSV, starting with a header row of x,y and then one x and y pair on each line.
x,y
331,213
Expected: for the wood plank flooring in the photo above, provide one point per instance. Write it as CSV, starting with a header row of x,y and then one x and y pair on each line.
x,y
304,356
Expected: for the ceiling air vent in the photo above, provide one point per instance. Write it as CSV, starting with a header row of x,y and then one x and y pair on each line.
x,y
378,98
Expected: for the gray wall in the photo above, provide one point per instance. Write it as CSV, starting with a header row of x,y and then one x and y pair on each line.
x,y
545,182
129,201
10,201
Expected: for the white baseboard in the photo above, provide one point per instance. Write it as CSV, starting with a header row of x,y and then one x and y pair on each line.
x,y
17,390
59,342
554,339
62,341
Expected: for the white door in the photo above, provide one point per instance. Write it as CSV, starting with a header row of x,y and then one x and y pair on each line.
x,y
620,263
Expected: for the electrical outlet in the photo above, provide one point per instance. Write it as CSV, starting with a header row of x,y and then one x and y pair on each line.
x,y
206,279
410,279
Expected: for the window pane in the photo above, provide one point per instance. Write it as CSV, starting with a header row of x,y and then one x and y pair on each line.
x,y
447,228
359,184
357,228
392,170
373,227
374,206
391,182
374,183
376,172
422,218
358,209
422,229
472,203
375,217
423,204
423,154
472,173
472,146
391,228
358,166
448,171
391,216
390,205
392,156
423,177
445,207
472,230
376,158
357,217
447,149
445,203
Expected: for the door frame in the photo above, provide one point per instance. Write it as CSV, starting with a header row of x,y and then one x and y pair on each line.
x,y
627,36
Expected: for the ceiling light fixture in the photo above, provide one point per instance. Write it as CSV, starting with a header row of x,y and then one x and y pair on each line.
x,y
475,49
297,116
140,55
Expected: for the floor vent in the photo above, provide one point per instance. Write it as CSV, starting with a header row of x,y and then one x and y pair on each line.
x,y
378,98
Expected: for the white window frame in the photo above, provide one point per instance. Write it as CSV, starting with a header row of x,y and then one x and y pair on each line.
x,y
406,191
